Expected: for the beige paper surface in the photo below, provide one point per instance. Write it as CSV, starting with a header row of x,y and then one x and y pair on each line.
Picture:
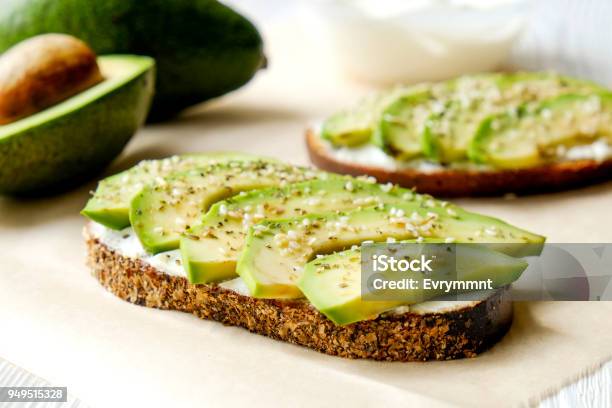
x,y
56,321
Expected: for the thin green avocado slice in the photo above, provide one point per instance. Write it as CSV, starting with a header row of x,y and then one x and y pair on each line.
x,y
353,127
332,283
447,134
76,138
401,123
275,252
210,250
541,135
162,211
110,203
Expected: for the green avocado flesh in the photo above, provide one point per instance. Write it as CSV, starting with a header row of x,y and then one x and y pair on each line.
x,y
401,124
275,254
110,204
203,48
332,283
400,116
447,134
527,139
355,126
161,212
210,249
438,122
76,138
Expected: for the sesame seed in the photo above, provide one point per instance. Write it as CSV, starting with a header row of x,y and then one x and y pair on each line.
x,y
491,231
222,209
386,187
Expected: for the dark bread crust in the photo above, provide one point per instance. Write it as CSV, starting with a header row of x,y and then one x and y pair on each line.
x,y
401,337
461,183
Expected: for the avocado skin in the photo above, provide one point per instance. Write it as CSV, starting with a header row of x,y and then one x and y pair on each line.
x,y
71,148
203,48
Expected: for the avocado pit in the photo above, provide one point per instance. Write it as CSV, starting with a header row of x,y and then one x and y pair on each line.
x,y
43,71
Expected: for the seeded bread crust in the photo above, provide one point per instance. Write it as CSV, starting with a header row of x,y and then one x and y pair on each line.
x,y
462,183
399,337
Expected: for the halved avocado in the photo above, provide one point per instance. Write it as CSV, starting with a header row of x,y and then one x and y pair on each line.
x,y
72,140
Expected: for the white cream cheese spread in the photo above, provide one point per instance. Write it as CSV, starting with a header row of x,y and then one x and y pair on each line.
x,y
371,155
599,151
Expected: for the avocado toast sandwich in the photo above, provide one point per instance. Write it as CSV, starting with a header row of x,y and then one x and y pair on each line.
x,y
276,249
474,135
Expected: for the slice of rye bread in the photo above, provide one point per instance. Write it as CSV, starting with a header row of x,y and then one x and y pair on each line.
x,y
462,183
450,332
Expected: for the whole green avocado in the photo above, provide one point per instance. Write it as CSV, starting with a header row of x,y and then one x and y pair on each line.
x,y
203,48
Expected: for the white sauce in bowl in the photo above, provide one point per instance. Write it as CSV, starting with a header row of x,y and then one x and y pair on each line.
x,y
393,41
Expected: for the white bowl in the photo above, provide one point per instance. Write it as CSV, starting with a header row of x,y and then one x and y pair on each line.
x,y
407,41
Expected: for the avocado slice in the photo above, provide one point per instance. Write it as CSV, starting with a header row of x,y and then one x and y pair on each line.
x,y
332,283
76,138
210,249
448,133
354,126
161,212
402,123
536,136
203,48
276,252
110,203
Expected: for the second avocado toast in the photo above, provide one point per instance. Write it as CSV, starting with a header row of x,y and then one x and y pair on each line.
x,y
275,248
474,135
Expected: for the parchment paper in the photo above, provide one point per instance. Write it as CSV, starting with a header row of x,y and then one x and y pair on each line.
x,y
56,321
